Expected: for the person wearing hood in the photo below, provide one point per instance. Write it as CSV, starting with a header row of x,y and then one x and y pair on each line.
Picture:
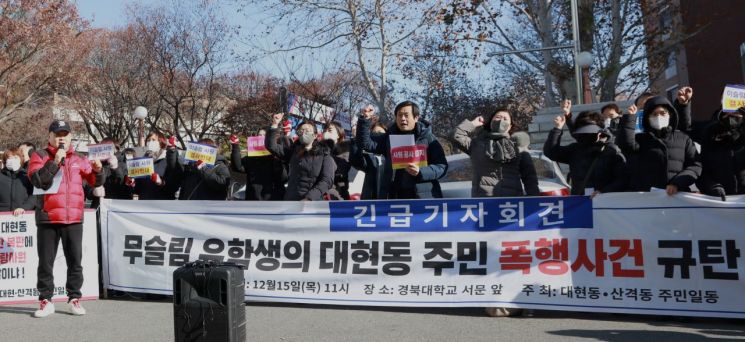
x,y
596,165
15,187
373,165
723,155
311,166
500,169
205,182
405,183
660,156
336,140
260,170
165,181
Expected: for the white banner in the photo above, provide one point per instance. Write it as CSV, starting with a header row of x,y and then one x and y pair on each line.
x,y
629,253
19,260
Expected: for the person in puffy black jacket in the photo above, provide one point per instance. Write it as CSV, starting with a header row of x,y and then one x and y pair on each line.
x,y
201,181
336,140
594,162
412,181
723,156
311,166
15,186
660,156
373,165
260,171
500,169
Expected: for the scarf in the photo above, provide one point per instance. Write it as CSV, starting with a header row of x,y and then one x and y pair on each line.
x,y
500,148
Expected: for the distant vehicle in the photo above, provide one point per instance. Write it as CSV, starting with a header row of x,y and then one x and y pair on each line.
x,y
457,181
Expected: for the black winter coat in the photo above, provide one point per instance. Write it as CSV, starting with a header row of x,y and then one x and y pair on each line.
x,y
166,166
260,174
723,160
311,171
373,165
15,191
208,183
114,180
340,153
658,158
491,178
608,174
400,184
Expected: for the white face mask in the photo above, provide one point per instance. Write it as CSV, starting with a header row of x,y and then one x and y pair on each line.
x,y
13,164
153,146
606,123
330,136
659,121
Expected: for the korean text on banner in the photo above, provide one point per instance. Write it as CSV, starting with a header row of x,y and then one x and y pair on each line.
x,y
404,151
205,153
101,151
140,167
626,252
256,147
733,98
19,260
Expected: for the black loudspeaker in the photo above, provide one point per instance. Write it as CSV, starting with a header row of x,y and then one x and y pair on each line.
x,y
208,302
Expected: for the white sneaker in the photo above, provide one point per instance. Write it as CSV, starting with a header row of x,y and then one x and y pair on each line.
x,y
76,308
46,308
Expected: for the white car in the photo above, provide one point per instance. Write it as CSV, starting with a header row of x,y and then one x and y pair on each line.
x,y
457,182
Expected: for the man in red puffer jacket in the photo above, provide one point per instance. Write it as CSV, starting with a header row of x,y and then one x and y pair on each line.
x,y
59,214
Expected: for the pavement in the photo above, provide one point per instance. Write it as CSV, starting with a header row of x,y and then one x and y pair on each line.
x,y
152,320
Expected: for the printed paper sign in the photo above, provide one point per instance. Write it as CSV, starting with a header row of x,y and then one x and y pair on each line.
x,y
56,182
205,153
256,147
404,152
100,151
733,98
140,167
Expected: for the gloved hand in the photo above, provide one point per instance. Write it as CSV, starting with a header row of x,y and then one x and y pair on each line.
x,y
156,179
234,139
99,191
199,164
172,142
719,191
130,182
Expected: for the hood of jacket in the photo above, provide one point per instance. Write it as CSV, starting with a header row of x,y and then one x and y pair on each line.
x,y
655,102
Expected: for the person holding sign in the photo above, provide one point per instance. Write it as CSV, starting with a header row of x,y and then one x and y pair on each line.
x,y
421,163
259,167
165,177
723,155
15,187
596,165
499,168
203,180
60,172
661,156
311,165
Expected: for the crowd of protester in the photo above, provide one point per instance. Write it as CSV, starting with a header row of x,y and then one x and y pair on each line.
x,y
613,152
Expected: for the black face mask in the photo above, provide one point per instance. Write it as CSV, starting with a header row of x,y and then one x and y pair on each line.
x,y
731,122
586,138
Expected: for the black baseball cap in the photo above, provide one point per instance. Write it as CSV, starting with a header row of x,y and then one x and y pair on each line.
x,y
59,126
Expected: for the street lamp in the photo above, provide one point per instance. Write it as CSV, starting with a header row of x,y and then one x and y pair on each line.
x,y
584,61
140,114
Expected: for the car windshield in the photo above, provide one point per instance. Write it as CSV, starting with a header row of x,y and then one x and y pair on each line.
x,y
460,170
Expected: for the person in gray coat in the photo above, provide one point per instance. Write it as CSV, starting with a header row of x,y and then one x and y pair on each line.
x,y
500,169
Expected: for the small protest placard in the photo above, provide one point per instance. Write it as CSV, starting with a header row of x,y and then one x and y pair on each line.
x,y
733,98
404,151
140,167
255,147
100,151
205,153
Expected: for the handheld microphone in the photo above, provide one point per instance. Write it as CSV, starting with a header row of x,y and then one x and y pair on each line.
x,y
62,147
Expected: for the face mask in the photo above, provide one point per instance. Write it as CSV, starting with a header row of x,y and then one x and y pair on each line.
x,y
732,122
330,136
659,121
586,138
13,164
307,138
128,157
607,122
153,146
499,126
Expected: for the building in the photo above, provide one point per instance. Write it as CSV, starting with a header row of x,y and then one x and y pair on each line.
x,y
708,37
